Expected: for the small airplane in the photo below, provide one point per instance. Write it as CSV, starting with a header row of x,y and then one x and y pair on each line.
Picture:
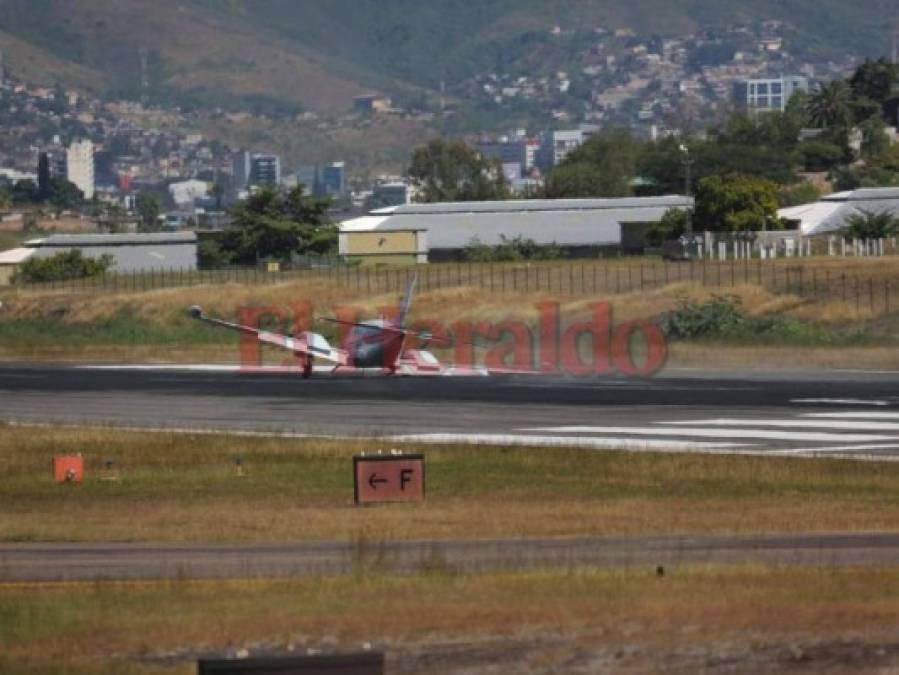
x,y
371,347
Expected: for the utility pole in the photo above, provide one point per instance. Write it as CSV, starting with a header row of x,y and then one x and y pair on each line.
x,y
895,39
688,187
144,77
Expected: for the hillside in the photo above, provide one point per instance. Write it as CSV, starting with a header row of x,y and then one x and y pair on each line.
x,y
195,54
316,55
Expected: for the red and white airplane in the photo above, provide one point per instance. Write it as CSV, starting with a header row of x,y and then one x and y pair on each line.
x,y
372,347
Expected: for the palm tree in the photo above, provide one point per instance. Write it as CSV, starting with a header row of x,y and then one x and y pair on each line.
x,y
871,225
830,105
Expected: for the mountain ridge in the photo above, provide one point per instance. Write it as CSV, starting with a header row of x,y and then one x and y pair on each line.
x,y
304,54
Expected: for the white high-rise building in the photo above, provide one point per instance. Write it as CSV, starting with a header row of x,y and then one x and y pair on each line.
x,y
80,167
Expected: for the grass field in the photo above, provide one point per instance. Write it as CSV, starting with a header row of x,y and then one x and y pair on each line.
x,y
694,618
748,618
153,325
187,488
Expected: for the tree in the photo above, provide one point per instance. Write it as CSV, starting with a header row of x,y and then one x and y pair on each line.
x,y
270,224
820,155
662,162
148,208
875,142
803,192
110,217
875,81
60,103
211,255
43,176
64,194
25,192
449,171
830,105
672,225
735,203
610,154
576,180
871,225
72,264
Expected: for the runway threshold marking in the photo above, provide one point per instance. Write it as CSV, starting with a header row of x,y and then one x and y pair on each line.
x,y
871,414
591,442
703,432
817,423
837,448
838,401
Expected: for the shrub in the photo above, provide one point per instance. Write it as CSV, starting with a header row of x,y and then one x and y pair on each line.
x,y
723,317
516,249
62,267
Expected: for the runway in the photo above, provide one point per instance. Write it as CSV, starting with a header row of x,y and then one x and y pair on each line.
x,y
821,413
89,562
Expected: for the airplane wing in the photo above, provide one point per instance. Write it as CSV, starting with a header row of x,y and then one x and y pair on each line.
x,y
306,344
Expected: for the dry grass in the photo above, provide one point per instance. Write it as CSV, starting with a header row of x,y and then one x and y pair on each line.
x,y
186,488
772,357
446,305
621,620
163,332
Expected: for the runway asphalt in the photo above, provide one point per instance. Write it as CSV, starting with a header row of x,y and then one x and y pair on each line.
x,y
88,562
850,414
834,413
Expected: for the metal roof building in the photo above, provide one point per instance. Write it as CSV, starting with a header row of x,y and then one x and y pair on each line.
x,y
446,228
829,214
130,252
10,260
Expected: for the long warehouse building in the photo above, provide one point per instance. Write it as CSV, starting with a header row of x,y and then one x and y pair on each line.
x,y
437,232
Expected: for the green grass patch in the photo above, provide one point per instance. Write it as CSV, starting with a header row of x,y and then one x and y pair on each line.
x,y
123,328
191,488
723,320
162,627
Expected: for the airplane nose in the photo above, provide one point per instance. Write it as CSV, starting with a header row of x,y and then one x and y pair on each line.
x,y
196,311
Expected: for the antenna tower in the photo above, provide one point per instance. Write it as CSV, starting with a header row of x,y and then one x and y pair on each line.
x,y
144,77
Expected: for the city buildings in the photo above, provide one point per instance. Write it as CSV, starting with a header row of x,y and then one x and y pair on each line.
x,y
265,170
772,94
254,169
324,180
80,166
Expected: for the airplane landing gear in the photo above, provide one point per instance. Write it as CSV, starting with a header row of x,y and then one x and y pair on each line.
x,y
307,367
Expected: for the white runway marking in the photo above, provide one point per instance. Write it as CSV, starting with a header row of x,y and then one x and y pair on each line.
x,y
820,423
834,448
189,367
702,432
871,414
593,442
838,401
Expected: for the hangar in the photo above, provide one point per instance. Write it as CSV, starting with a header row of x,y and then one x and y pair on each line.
x,y
413,233
130,252
10,262
828,215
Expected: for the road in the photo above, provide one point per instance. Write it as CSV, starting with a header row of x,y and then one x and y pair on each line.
x,y
835,413
82,562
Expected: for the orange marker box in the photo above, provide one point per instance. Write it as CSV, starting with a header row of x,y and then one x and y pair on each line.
x,y
68,468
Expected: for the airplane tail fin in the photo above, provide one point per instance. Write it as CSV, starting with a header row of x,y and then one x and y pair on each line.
x,y
406,304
